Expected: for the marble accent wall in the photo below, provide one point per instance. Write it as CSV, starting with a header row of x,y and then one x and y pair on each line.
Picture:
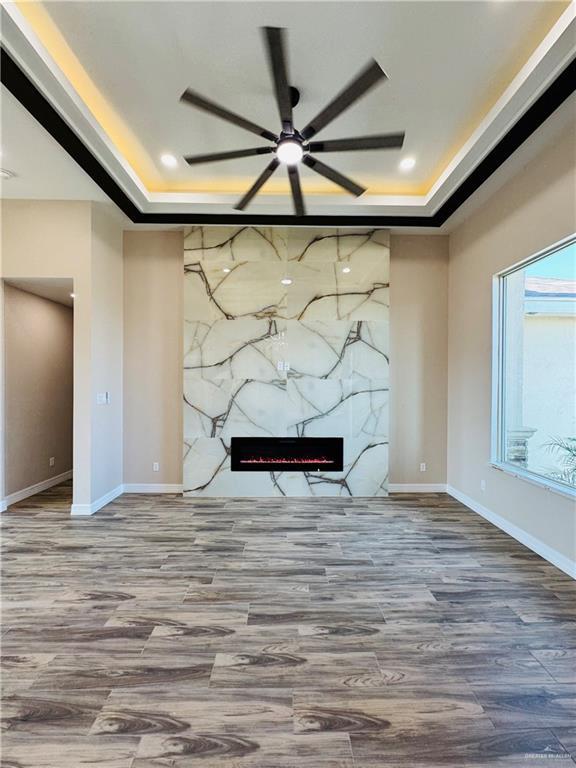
x,y
264,358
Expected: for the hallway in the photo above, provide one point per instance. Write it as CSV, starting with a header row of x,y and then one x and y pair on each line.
x,y
324,633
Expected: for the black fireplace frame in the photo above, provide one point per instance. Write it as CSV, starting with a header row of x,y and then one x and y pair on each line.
x,y
316,454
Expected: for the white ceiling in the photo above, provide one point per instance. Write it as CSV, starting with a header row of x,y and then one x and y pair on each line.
x,y
54,288
43,169
447,63
443,59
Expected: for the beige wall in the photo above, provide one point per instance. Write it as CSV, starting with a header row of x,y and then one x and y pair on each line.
x,y
533,210
153,264
418,358
107,302
47,238
38,354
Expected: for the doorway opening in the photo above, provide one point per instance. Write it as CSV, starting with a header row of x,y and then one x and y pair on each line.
x,y
38,392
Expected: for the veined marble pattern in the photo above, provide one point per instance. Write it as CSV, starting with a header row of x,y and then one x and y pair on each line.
x,y
306,359
244,348
352,246
235,244
338,349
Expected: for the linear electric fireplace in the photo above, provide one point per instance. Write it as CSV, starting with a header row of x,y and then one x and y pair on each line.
x,y
287,454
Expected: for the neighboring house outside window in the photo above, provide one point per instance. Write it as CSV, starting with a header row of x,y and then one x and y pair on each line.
x,y
535,368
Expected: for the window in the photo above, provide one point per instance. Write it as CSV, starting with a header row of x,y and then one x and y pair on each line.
x,y
534,403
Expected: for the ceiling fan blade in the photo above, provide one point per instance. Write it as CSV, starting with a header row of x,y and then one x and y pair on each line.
x,y
361,84
195,100
213,158
383,141
294,178
258,184
279,69
335,176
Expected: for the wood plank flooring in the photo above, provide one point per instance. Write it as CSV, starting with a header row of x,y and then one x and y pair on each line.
x,y
279,633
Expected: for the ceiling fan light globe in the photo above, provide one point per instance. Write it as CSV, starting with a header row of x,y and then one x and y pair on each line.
x,y
289,152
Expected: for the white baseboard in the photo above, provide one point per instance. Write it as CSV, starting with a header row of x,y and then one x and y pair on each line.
x,y
32,490
82,510
417,487
153,488
551,555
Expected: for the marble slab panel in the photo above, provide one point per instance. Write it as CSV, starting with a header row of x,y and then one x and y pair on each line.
x,y
240,349
337,408
309,357
249,289
322,291
234,244
341,245
234,407
369,407
337,349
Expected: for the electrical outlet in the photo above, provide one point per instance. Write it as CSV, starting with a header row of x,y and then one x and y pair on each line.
x,y
423,467
52,461
101,398
482,485
156,467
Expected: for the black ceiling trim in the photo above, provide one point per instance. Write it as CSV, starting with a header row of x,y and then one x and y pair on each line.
x,y
40,108
547,103
18,83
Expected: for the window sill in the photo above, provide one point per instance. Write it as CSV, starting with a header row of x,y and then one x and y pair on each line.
x,y
545,483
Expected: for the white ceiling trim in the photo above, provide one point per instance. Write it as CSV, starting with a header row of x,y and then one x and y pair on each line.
x,y
34,59
551,56
541,69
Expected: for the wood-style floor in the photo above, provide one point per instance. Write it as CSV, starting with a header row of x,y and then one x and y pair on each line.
x,y
257,633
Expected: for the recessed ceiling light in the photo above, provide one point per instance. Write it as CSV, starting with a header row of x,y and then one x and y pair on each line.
x,y
226,269
407,164
289,152
346,270
6,174
169,161
286,281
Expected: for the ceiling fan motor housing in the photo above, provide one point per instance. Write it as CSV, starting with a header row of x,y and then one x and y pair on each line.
x,y
293,135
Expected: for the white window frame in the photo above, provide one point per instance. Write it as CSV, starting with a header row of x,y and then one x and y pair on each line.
x,y
497,441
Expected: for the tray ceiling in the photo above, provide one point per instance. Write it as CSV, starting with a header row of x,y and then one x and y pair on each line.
x,y
460,74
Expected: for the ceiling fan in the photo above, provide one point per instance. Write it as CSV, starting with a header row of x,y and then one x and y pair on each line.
x,y
292,146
